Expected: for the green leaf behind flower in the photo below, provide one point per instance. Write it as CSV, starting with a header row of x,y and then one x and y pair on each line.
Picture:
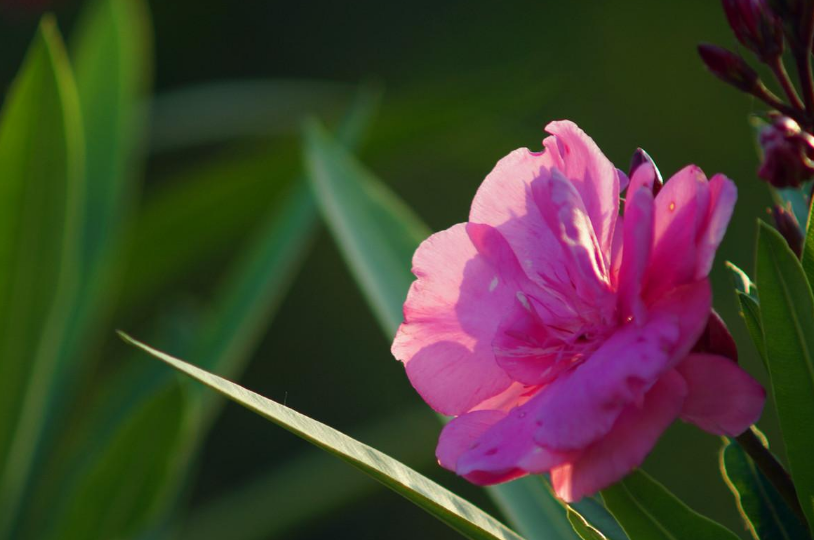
x,y
787,318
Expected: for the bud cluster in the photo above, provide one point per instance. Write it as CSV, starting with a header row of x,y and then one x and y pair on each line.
x,y
766,27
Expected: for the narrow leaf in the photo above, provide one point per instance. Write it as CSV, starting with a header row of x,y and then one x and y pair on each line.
x,y
583,528
787,317
446,506
761,506
648,511
378,234
41,173
808,250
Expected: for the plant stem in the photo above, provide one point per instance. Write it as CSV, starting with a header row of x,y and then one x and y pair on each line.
x,y
772,469
803,58
779,70
767,96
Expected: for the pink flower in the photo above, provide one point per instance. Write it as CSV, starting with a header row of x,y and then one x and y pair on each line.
x,y
559,333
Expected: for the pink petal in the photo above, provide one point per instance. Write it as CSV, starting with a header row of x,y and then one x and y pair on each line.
x,y
680,211
563,210
723,399
723,195
594,176
638,238
633,436
508,449
445,340
460,434
621,371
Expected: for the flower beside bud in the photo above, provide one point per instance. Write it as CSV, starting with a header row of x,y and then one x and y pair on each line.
x,y
788,152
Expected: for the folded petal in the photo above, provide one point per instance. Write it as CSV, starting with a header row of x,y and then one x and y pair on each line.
x,y
723,195
723,399
460,434
596,179
449,322
633,436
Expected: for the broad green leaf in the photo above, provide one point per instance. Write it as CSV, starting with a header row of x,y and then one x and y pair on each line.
x,y
275,502
446,506
787,317
215,112
761,506
41,185
378,234
648,511
808,251
583,528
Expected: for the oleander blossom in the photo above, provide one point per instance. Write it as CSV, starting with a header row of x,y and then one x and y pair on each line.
x,y
559,333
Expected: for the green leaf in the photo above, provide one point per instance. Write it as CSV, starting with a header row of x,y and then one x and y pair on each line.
x,y
761,506
215,112
378,234
648,511
583,528
746,293
808,251
448,507
787,317
277,501
41,172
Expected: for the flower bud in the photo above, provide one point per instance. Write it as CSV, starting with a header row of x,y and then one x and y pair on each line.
x,y
788,226
716,339
639,158
729,67
756,27
787,153
795,16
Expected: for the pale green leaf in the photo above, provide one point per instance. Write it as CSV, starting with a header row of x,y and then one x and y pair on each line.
x,y
583,528
446,506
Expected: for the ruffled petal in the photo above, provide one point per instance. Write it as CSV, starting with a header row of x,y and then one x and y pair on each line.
x,y
633,436
578,157
449,322
723,399
460,434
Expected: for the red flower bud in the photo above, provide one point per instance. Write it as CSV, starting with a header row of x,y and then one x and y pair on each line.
x,y
787,153
788,226
795,16
729,67
716,339
756,27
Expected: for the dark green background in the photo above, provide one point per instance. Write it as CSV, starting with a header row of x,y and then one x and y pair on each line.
x,y
464,83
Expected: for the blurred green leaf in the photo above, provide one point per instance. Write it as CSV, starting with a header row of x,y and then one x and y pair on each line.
x,y
583,528
277,501
808,251
448,507
219,111
761,506
746,293
377,234
648,511
787,317
41,173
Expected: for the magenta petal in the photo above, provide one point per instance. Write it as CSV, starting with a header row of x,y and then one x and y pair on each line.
x,y
723,195
723,399
633,436
508,448
460,434
580,160
680,211
638,240
445,340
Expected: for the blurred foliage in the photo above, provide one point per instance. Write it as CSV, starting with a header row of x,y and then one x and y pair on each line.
x,y
215,155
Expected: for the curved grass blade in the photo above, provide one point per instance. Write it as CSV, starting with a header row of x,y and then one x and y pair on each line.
x,y
648,511
787,316
41,187
762,508
276,502
583,528
378,234
446,506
